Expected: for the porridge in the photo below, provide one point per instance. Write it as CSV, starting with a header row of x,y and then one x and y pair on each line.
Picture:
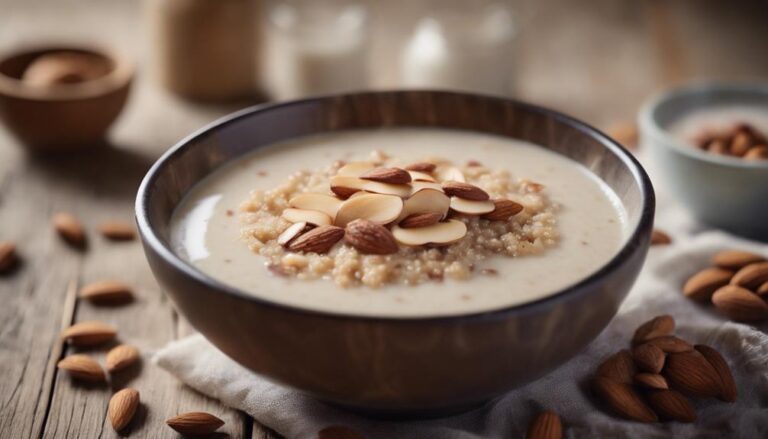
x,y
400,222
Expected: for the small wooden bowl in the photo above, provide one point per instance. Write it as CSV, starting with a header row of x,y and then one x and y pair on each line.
x,y
62,117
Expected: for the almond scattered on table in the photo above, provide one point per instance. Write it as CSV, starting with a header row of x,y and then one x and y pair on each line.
x,y
82,367
546,425
122,408
195,423
89,333
703,284
8,258
107,292
121,357
660,237
70,229
117,231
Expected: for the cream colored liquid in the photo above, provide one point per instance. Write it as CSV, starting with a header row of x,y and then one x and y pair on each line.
x,y
592,224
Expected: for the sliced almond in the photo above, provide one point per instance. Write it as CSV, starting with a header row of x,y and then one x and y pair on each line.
x,y
651,381
439,234
735,259
421,176
424,167
8,257
728,390
355,169
121,357
107,292
380,209
370,238
469,207
503,210
702,284
122,408
751,276
89,333
670,404
420,220
691,373
418,186
82,367
292,232
450,173
328,204
344,187
464,190
426,201
740,304
648,357
547,425
70,229
307,216
118,230
656,327
195,423
387,175
622,399
317,240
618,367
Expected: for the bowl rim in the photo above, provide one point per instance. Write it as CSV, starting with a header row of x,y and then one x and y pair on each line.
x,y
121,75
639,235
649,125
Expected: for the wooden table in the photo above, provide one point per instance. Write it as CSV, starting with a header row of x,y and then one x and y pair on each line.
x,y
596,60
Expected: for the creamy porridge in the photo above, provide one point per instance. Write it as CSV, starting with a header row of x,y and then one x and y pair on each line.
x,y
400,222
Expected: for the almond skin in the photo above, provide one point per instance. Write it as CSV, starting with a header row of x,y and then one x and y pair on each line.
x,y
656,327
751,276
622,399
117,231
82,367
464,190
370,238
703,284
659,237
504,210
670,404
671,344
8,257
195,423
735,259
651,381
421,167
90,333
420,220
691,373
648,358
122,408
318,240
338,432
121,357
762,290
70,229
740,304
387,175
107,292
728,385
618,367
547,425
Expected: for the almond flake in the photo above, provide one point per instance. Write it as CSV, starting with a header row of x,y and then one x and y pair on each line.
x,y
438,234
380,209
326,204
307,216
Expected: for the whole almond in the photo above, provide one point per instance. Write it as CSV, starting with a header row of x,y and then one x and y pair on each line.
x,y
420,220
338,432
735,259
740,144
121,357
344,192
122,407
671,344
740,304
387,175
622,399
751,276
89,333
370,238
8,257
762,290
703,284
660,237
195,423
651,381
656,327
82,367
670,404
691,373
318,240
70,229
464,190
117,231
728,390
421,167
648,358
547,425
504,210
759,152
618,367
107,291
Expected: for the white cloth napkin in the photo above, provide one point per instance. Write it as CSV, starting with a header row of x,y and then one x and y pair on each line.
x,y
200,365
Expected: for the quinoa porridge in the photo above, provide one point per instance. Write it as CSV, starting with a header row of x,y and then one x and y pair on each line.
x,y
400,222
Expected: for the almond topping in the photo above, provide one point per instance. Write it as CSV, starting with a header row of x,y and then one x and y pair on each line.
x,y
344,187
117,231
469,207
420,176
195,423
327,204
503,210
735,259
121,357
122,408
380,209
355,169
292,232
740,304
451,173
89,333
70,229
420,220
418,186
547,425
387,175
437,234
702,284
306,216
421,167
751,276
107,292
370,238
426,201
465,190
82,367
318,240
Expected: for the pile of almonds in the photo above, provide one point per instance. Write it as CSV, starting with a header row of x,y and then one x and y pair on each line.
x,y
377,209
743,140
654,380
737,284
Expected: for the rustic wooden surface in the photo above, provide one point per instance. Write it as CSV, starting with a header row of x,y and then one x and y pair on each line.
x,y
596,60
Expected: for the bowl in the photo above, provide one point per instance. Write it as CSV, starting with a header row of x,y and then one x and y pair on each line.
x,y
384,366
721,191
62,117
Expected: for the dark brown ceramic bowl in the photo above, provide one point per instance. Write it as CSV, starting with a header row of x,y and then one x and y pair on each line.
x,y
395,366
62,117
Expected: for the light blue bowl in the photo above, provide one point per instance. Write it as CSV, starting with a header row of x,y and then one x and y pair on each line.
x,y
721,191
